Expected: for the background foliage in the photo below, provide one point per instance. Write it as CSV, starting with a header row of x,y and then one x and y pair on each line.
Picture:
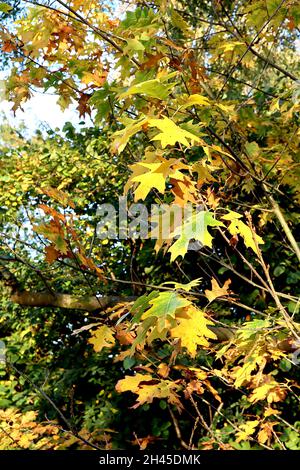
x,y
121,343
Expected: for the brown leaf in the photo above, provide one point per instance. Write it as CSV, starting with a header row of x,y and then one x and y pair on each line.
x,y
152,61
143,442
83,106
8,46
124,336
51,254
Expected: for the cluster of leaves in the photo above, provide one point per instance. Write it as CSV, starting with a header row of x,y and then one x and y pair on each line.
x,y
182,116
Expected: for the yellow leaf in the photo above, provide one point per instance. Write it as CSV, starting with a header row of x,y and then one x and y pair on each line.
x,y
276,394
237,227
260,393
133,46
179,22
265,432
271,411
246,430
148,388
26,440
243,374
163,389
122,137
163,370
192,329
217,291
171,133
194,227
95,78
196,100
154,88
102,338
150,179
28,417
204,175
131,382
230,46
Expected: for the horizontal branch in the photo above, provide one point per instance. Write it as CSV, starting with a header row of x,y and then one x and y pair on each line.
x,y
86,303
92,303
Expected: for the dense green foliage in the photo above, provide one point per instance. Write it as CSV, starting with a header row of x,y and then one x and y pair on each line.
x,y
192,102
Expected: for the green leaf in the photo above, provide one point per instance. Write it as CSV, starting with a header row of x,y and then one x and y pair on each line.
x,y
141,304
252,149
133,45
5,8
279,270
193,228
164,307
179,22
153,88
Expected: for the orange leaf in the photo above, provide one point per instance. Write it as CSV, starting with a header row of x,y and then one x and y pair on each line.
x,y
217,291
51,254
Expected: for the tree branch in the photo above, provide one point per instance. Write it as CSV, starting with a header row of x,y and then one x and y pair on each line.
x,y
86,303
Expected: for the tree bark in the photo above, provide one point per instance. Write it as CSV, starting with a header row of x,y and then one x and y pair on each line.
x,y
86,303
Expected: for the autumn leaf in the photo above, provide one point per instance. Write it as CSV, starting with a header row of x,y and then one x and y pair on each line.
x,y
148,180
148,388
237,227
94,78
163,389
163,308
217,291
122,137
54,232
179,22
131,382
51,254
171,133
196,100
270,390
102,338
58,195
246,430
155,88
124,336
9,46
158,319
133,45
185,287
265,432
194,227
192,329
204,173
143,442
5,8
163,370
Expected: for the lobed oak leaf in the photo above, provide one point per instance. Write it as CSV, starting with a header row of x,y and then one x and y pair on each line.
x,y
163,389
102,338
217,291
131,382
52,254
192,330
171,133
195,227
237,227
246,430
